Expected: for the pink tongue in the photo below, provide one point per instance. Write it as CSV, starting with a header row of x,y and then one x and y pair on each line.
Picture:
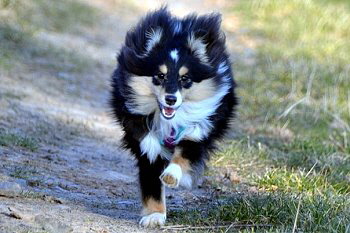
x,y
168,111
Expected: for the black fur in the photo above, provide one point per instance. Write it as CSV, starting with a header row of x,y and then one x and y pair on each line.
x,y
133,61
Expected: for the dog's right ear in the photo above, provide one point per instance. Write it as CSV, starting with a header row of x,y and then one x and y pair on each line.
x,y
142,40
149,32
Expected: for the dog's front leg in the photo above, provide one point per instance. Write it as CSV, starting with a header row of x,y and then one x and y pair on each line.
x,y
153,196
178,171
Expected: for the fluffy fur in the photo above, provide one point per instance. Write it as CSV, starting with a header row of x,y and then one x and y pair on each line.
x,y
173,94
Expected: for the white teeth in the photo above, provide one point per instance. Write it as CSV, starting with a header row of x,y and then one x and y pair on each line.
x,y
166,115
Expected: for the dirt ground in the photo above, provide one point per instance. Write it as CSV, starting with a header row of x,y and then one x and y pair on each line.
x,y
78,179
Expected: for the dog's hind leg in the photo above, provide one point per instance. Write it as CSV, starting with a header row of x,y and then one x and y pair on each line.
x,y
153,196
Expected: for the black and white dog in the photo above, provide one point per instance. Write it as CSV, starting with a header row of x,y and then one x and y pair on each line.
x,y
173,94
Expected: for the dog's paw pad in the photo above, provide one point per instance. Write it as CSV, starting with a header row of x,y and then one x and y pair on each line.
x,y
171,176
169,180
153,220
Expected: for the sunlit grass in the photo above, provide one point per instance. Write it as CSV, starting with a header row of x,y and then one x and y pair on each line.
x,y
297,181
304,97
315,30
271,213
299,85
303,55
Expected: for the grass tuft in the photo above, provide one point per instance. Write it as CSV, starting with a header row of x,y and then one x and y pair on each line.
x,y
296,181
8,139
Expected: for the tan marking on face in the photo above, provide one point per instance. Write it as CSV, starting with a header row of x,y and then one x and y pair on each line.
x,y
163,68
200,91
143,94
183,70
150,205
141,85
181,161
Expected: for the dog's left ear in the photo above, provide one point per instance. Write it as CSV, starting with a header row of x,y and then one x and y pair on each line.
x,y
206,40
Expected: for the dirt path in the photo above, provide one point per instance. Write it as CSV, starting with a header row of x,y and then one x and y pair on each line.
x,y
77,179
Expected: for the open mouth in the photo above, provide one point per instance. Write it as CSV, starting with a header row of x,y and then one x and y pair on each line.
x,y
167,112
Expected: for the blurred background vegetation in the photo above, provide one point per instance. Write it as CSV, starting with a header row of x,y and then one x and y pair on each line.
x,y
22,21
289,156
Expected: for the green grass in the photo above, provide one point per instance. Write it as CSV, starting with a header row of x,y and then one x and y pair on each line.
x,y
303,54
318,213
10,140
314,30
296,181
30,174
293,124
23,172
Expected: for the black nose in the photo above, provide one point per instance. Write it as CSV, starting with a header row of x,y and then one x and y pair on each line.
x,y
170,99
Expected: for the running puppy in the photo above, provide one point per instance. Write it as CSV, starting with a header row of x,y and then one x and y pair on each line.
x,y
173,94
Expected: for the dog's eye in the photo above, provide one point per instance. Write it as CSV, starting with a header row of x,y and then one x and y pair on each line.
x,y
184,78
160,76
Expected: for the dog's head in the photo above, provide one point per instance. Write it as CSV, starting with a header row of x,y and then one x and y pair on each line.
x,y
170,61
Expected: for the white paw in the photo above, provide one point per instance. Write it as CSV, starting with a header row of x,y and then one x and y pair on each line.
x,y
171,176
153,220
